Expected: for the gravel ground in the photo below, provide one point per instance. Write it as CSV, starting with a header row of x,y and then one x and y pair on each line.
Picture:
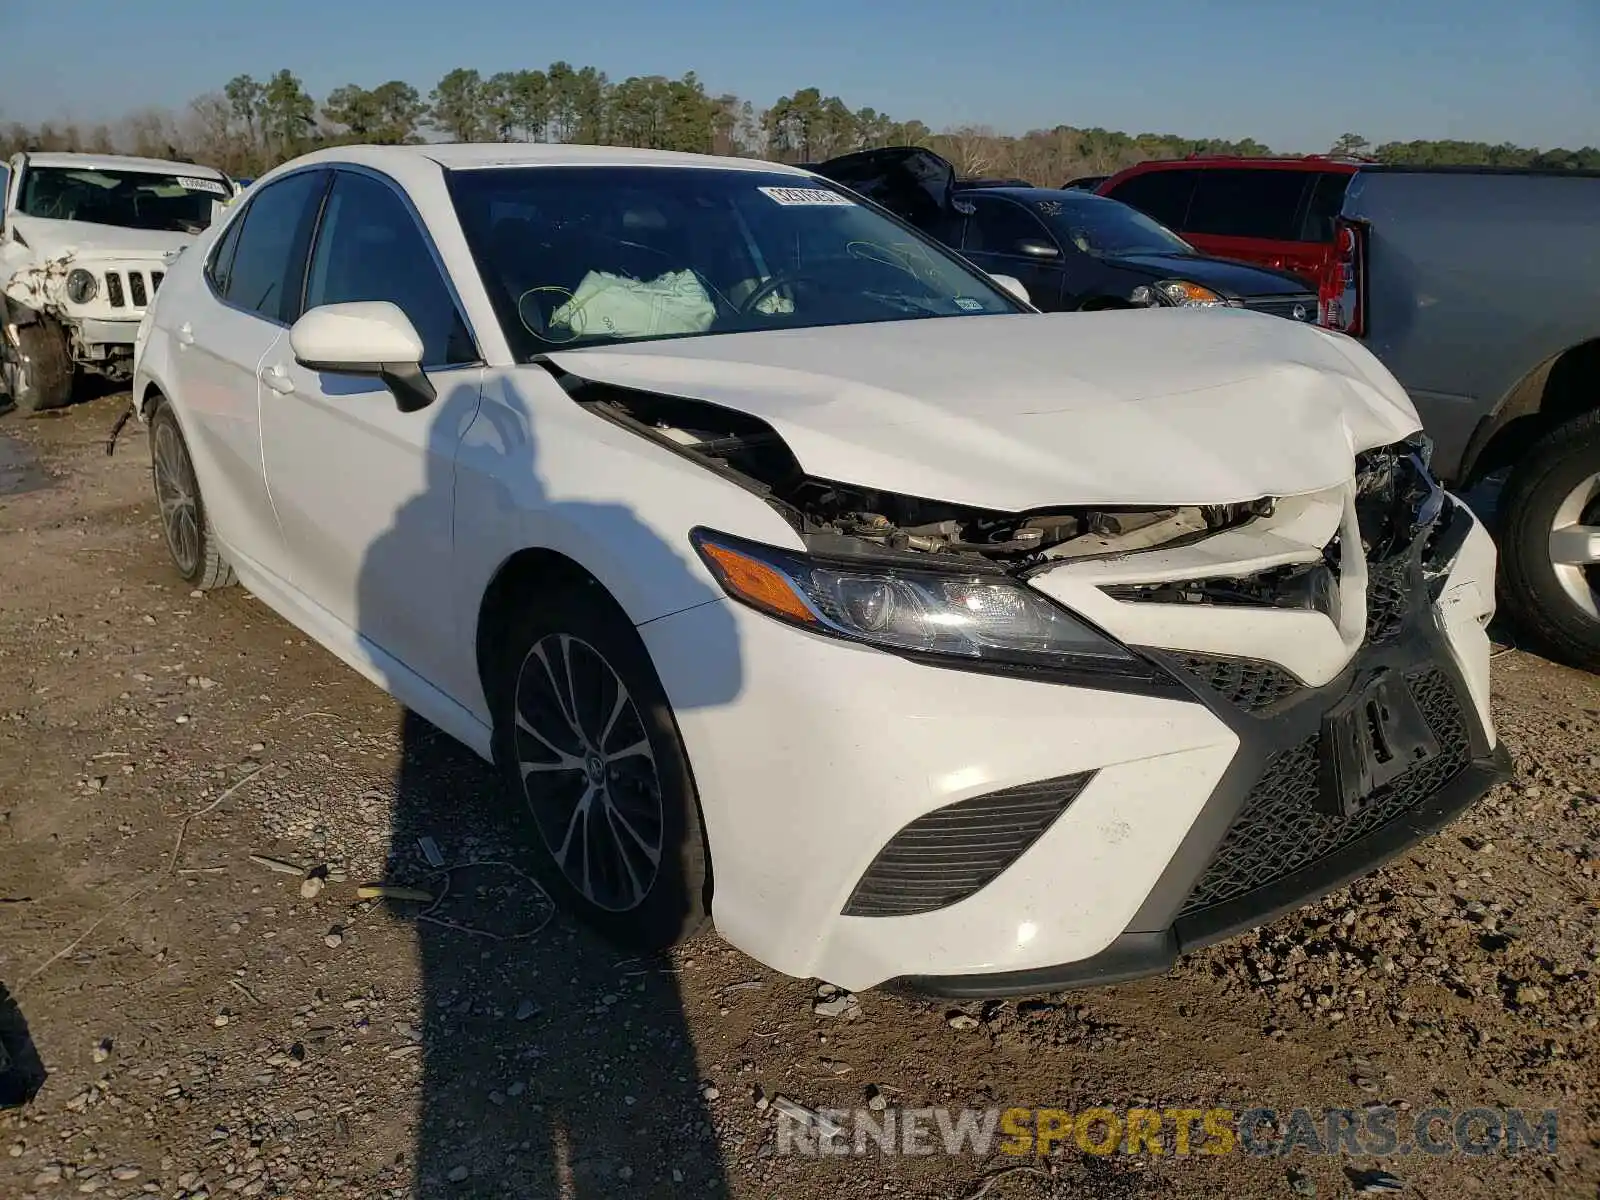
x,y
209,1024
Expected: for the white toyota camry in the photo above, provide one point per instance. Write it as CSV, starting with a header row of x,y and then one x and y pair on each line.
x,y
796,574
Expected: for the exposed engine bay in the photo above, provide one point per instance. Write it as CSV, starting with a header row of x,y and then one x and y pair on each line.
x,y
848,520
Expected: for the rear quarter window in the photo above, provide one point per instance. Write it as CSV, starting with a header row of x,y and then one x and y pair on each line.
x,y
1248,203
1327,200
1164,195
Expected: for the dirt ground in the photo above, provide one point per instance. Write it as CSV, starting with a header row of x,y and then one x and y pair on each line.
x,y
206,1024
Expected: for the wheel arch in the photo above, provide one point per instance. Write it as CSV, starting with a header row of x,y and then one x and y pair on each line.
x,y
527,572
1563,386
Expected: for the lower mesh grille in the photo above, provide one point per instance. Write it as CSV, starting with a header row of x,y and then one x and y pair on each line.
x,y
1247,682
950,853
1388,598
1280,829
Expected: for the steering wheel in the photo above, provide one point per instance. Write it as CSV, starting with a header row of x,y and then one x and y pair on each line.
x,y
772,284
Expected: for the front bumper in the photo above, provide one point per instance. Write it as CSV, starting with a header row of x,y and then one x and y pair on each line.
x,y
1189,814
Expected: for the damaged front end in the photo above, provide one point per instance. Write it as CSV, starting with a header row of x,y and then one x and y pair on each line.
x,y
1076,584
845,520
94,300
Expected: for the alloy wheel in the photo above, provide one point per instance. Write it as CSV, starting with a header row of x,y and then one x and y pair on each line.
x,y
588,772
1575,545
177,495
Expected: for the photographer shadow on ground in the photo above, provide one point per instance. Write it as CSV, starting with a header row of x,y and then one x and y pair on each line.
x,y
554,1064
22,1072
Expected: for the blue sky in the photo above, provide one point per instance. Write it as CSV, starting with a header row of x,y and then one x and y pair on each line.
x,y
1294,75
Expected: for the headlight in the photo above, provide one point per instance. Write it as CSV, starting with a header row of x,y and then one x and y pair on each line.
x,y
955,615
81,286
1189,295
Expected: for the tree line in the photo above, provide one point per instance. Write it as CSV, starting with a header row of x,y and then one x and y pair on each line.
x,y
250,125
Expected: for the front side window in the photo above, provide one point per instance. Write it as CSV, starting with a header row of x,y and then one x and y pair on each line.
x,y
269,259
370,248
1107,228
579,256
128,199
998,226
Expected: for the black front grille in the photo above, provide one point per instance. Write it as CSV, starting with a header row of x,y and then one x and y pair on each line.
x,y
1247,682
1284,306
1280,829
1388,598
155,280
948,854
114,289
136,289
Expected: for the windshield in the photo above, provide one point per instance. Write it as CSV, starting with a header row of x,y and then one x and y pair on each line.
x,y
577,256
128,199
1105,227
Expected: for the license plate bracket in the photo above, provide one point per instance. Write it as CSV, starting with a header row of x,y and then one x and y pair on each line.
x,y
1370,738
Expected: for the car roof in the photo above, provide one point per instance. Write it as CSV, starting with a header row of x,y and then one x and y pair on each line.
x,y
1067,195
1284,162
472,155
120,162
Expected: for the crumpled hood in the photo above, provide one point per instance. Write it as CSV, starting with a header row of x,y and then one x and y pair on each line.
x,y
49,238
1026,411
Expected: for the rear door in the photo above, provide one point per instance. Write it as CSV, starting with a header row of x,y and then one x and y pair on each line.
x,y
220,321
916,185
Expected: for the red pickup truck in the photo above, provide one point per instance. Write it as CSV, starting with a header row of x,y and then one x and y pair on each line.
x,y
1278,212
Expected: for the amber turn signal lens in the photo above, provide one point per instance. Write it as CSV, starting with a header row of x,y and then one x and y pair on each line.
x,y
756,583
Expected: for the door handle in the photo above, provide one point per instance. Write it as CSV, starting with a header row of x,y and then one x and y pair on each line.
x,y
185,334
276,378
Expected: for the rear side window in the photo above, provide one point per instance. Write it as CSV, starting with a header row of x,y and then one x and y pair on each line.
x,y
1163,195
370,248
1246,203
269,258
221,264
1327,199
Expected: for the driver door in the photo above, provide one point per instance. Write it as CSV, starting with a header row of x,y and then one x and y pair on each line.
x,y
365,492
1004,238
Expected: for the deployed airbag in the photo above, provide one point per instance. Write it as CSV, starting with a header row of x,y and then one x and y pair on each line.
x,y
615,306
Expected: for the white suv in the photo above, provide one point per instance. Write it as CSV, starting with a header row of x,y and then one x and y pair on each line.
x,y
792,570
85,241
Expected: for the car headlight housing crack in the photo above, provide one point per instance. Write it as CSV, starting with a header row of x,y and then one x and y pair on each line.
x,y
959,618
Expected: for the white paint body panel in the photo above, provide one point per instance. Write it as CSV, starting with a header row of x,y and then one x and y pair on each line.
x,y
379,532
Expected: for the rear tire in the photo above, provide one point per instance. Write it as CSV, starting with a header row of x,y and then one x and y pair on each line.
x,y
39,372
586,743
1556,485
184,522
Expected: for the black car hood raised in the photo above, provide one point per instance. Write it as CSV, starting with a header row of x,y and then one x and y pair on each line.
x,y
1221,274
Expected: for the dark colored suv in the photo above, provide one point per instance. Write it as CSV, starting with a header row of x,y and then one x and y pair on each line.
x,y
1278,212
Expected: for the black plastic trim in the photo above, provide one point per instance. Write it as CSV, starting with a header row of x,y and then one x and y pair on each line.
x,y
1138,955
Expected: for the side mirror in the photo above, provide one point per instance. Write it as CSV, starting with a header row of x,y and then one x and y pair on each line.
x,y
1013,285
1034,248
366,337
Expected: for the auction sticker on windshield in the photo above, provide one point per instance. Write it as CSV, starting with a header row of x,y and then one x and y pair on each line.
x,y
194,184
794,196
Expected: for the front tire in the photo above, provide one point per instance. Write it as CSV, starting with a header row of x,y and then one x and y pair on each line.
x,y
1550,542
586,742
38,371
184,523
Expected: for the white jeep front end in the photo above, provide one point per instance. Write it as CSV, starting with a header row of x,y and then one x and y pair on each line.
x,y
85,243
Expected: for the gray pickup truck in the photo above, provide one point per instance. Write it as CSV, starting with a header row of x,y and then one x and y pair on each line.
x,y
1480,289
